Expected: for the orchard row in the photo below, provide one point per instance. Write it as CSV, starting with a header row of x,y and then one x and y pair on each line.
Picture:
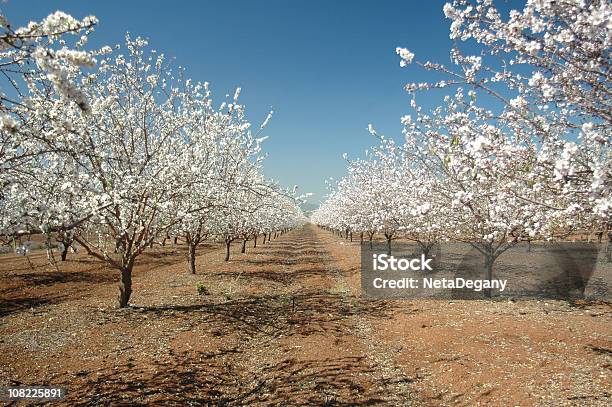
x,y
117,150
519,148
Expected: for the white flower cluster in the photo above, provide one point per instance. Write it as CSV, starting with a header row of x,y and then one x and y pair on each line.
x,y
405,55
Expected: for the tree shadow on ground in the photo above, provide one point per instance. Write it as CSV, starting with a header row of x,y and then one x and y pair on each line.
x,y
46,288
15,305
220,378
250,276
273,315
214,379
310,252
55,277
286,278
285,260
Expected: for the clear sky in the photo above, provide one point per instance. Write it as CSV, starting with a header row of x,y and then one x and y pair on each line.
x,y
326,67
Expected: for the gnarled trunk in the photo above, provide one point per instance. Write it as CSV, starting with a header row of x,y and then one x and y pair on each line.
x,y
255,241
66,239
488,271
125,285
192,257
227,249
243,250
389,238
65,252
426,250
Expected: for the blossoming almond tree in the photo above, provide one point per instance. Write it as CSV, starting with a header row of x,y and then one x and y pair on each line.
x,y
482,169
132,154
38,63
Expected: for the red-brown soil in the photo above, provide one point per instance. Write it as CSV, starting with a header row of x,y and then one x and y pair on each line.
x,y
285,324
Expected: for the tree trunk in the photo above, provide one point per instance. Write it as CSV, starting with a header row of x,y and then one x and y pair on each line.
x,y
426,249
125,285
389,237
371,237
66,239
243,250
361,238
175,239
488,270
192,257
255,241
528,246
351,237
227,249
65,251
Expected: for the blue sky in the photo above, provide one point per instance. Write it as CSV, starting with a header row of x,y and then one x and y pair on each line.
x,y
326,68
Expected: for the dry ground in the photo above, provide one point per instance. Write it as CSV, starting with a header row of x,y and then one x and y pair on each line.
x,y
284,324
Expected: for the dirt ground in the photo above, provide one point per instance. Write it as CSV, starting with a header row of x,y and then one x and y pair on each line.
x,y
285,324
